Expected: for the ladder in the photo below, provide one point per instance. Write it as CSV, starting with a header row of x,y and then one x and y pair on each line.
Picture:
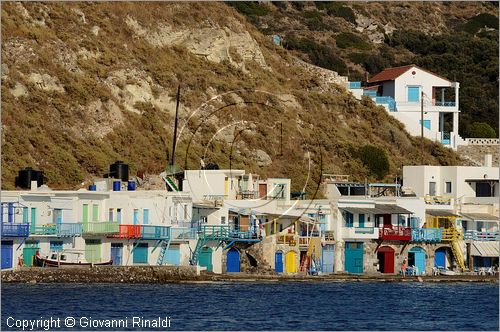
x,y
163,251
196,252
456,249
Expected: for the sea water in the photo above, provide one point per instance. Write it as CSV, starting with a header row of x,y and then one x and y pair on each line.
x,y
253,306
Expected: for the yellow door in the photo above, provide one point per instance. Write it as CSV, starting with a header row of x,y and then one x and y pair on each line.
x,y
290,258
226,187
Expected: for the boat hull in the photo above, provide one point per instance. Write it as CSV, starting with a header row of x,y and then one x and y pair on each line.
x,y
45,262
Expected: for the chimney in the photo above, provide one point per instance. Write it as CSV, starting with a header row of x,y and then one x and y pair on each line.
x,y
366,76
488,160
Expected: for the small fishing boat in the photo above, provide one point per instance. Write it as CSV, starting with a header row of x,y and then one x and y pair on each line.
x,y
446,272
65,258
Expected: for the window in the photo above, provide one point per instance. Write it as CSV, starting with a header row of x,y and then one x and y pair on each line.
x,y
25,215
223,220
349,219
136,216
33,217
145,216
95,212
447,187
279,191
85,212
56,245
185,211
57,216
110,215
432,188
413,94
119,215
483,189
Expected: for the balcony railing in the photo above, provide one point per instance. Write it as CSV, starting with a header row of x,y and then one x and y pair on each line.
x,y
69,229
182,233
128,232
370,93
360,233
426,234
437,200
481,236
100,228
396,233
391,103
47,229
445,103
354,85
15,230
150,232
329,237
289,239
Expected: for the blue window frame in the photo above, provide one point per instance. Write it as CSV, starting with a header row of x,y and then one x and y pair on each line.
x,y
349,219
427,124
145,216
413,93
136,216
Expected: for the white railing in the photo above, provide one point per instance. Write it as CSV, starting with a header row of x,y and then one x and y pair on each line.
x,y
360,233
481,141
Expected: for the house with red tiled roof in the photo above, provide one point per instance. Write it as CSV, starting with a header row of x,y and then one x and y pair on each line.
x,y
404,90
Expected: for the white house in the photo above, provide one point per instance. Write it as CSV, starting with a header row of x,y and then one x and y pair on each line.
x,y
401,89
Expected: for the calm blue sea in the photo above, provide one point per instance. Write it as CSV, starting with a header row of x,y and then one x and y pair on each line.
x,y
262,306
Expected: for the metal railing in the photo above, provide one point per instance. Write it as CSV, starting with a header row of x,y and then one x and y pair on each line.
x,y
437,200
426,234
128,232
354,85
151,232
481,236
445,103
386,100
397,233
451,234
15,230
106,227
289,239
182,233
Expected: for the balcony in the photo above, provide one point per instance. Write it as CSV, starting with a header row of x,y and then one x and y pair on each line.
x,y
288,239
396,233
69,229
360,233
437,200
100,228
481,236
389,101
15,230
426,234
149,232
182,233
354,85
47,229
128,232
445,103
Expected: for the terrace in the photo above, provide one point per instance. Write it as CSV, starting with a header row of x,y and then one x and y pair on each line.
x,y
150,232
426,235
473,235
395,233
59,230
128,232
15,230
100,228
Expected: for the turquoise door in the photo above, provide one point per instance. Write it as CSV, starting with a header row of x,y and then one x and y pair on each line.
x,y
414,94
145,216
419,260
206,258
136,216
233,261
353,257
116,253
140,255
327,256
440,258
361,220
278,261
172,256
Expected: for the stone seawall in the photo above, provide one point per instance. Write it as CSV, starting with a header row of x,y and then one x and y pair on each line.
x,y
188,274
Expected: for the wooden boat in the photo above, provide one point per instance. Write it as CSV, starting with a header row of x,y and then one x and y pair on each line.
x,y
65,258
445,272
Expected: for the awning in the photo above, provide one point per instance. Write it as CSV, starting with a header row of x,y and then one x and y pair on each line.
x,y
378,209
480,216
481,180
441,213
485,249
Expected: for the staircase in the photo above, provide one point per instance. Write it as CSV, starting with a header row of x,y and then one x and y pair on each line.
x,y
163,251
456,249
304,263
196,252
169,179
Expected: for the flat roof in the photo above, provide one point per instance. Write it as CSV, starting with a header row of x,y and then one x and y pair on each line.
x,y
441,213
485,249
378,209
480,216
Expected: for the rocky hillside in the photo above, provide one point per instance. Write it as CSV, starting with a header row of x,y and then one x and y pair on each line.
x,y
85,84
455,39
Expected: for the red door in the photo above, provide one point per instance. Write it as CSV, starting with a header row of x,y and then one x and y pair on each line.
x,y
388,260
262,190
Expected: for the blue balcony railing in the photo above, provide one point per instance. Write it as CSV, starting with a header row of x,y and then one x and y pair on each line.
x,y
426,234
481,236
445,103
364,230
183,233
15,230
391,103
150,232
370,93
69,229
354,85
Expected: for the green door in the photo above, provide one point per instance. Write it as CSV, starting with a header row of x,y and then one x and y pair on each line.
x,y
93,251
140,255
206,258
353,257
29,252
85,217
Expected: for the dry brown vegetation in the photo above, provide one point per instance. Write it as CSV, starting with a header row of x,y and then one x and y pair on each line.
x,y
56,131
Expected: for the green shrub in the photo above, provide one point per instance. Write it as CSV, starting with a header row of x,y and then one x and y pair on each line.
x,y
347,39
481,130
249,8
375,159
480,21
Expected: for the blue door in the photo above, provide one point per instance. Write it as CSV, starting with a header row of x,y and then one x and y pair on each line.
x,y
233,261
419,254
354,257
205,259
414,94
172,256
278,261
327,257
440,258
117,253
362,220
7,253
140,255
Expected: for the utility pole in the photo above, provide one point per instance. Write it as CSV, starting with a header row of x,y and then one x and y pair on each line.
x,y
422,127
174,141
